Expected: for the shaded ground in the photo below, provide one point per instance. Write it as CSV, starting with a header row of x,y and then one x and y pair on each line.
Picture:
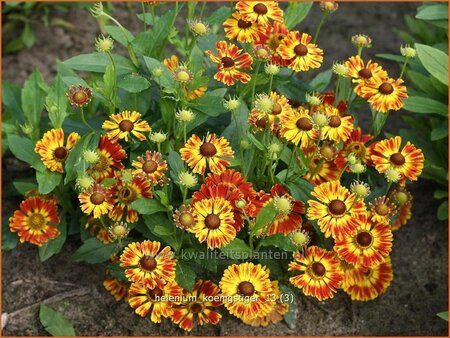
x,y
420,255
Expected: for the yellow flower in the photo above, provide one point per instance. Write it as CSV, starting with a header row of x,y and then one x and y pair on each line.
x,y
124,124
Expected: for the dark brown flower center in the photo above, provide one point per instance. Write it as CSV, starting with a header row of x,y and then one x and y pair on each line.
x,y
102,163
246,289
364,239
36,221
337,207
386,88
208,149
365,73
318,269
60,154
148,263
260,9
126,126
212,221
97,198
155,293
227,62
304,123
196,308
261,123
301,50
186,219
276,109
397,159
357,148
150,166
244,24
335,121
382,209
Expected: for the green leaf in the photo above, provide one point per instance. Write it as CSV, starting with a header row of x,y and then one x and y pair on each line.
x,y
176,164
439,133
93,251
440,194
442,212
117,271
12,100
296,12
168,108
265,216
435,12
425,105
133,83
54,322
47,181
321,81
288,296
166,80
27,36
23,187
74,161
118,34
300,189
211,103
97,62
434,61
56,102
23,149
443,315
54,245
220,15
9,239
237,249
279,241
200,256
185,276
33,99
147,206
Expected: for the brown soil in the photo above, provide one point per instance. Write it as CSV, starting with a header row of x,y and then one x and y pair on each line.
x,y
420,256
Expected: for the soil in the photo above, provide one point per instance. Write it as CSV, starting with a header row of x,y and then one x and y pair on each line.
x,y
420,255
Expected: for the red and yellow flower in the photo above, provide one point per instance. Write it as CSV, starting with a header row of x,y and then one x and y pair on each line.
x,y
260,11
154,301
52,150
152,166
110,155
241,30
272,37
408,161
96,201
298,128
369,246
336,209
321,170
302,54
382,209
212,150
362,73
404,215
339,126
117,289
355,144
247,288
122,125
198,304
230,62
320,275
147,265
375,282
35,221
384,94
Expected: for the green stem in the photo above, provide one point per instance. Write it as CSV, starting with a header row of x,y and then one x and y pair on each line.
x,y
143,13
322,20
202,10
290,162
184,132
241,151
270,84
258,65
403,68
388,187
84,120
114,94
360,50
343,170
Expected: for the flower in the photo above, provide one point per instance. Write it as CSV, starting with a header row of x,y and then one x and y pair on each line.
x,y
104,44
375,281
110,155
183,74
260,12
302,54
241,30
52,150
187,179
340,69
90,156
249,287
320,275
362,73
151,166
124,193
314,99
408,161
158,137
230,62
339,126
321,170
214,222
392,175
118,230
79,96
263,103
232,104
262,53
271,37
400,196
121,125
154,301
298,128
34,221
117,289
201,306
185,115
360,189
362,41
408,52
184,217
384,94
336,209
300,238
271,69
147,265
84,182
382,209
403,216
96,201
357,168
355,149
320,119
199,27
368,246
212,150
328,6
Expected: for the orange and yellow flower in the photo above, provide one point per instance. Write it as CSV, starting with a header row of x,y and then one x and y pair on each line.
x,y
320,275
110,155
214,222
96,201
302,54
248,289
355,144
321,170
382,209
212,150
336,209
260,12
154,301
122,125
272,37
152,166
35,221
375,282
199,303
230,62
369,246
339,126
297,127
117,289
52,150
384,94
404,215
241,30
147,265
362,73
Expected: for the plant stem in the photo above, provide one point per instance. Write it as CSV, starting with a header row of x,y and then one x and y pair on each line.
x,y
202,10
113,98
241,151
84,120
270,84
143,13
290,162
403,68
322,20
258,65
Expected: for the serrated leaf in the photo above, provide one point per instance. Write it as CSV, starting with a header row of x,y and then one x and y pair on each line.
x,y
33,99
117,33
54,322
11,96
434,61
56,102
439,133
176,164
93,251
